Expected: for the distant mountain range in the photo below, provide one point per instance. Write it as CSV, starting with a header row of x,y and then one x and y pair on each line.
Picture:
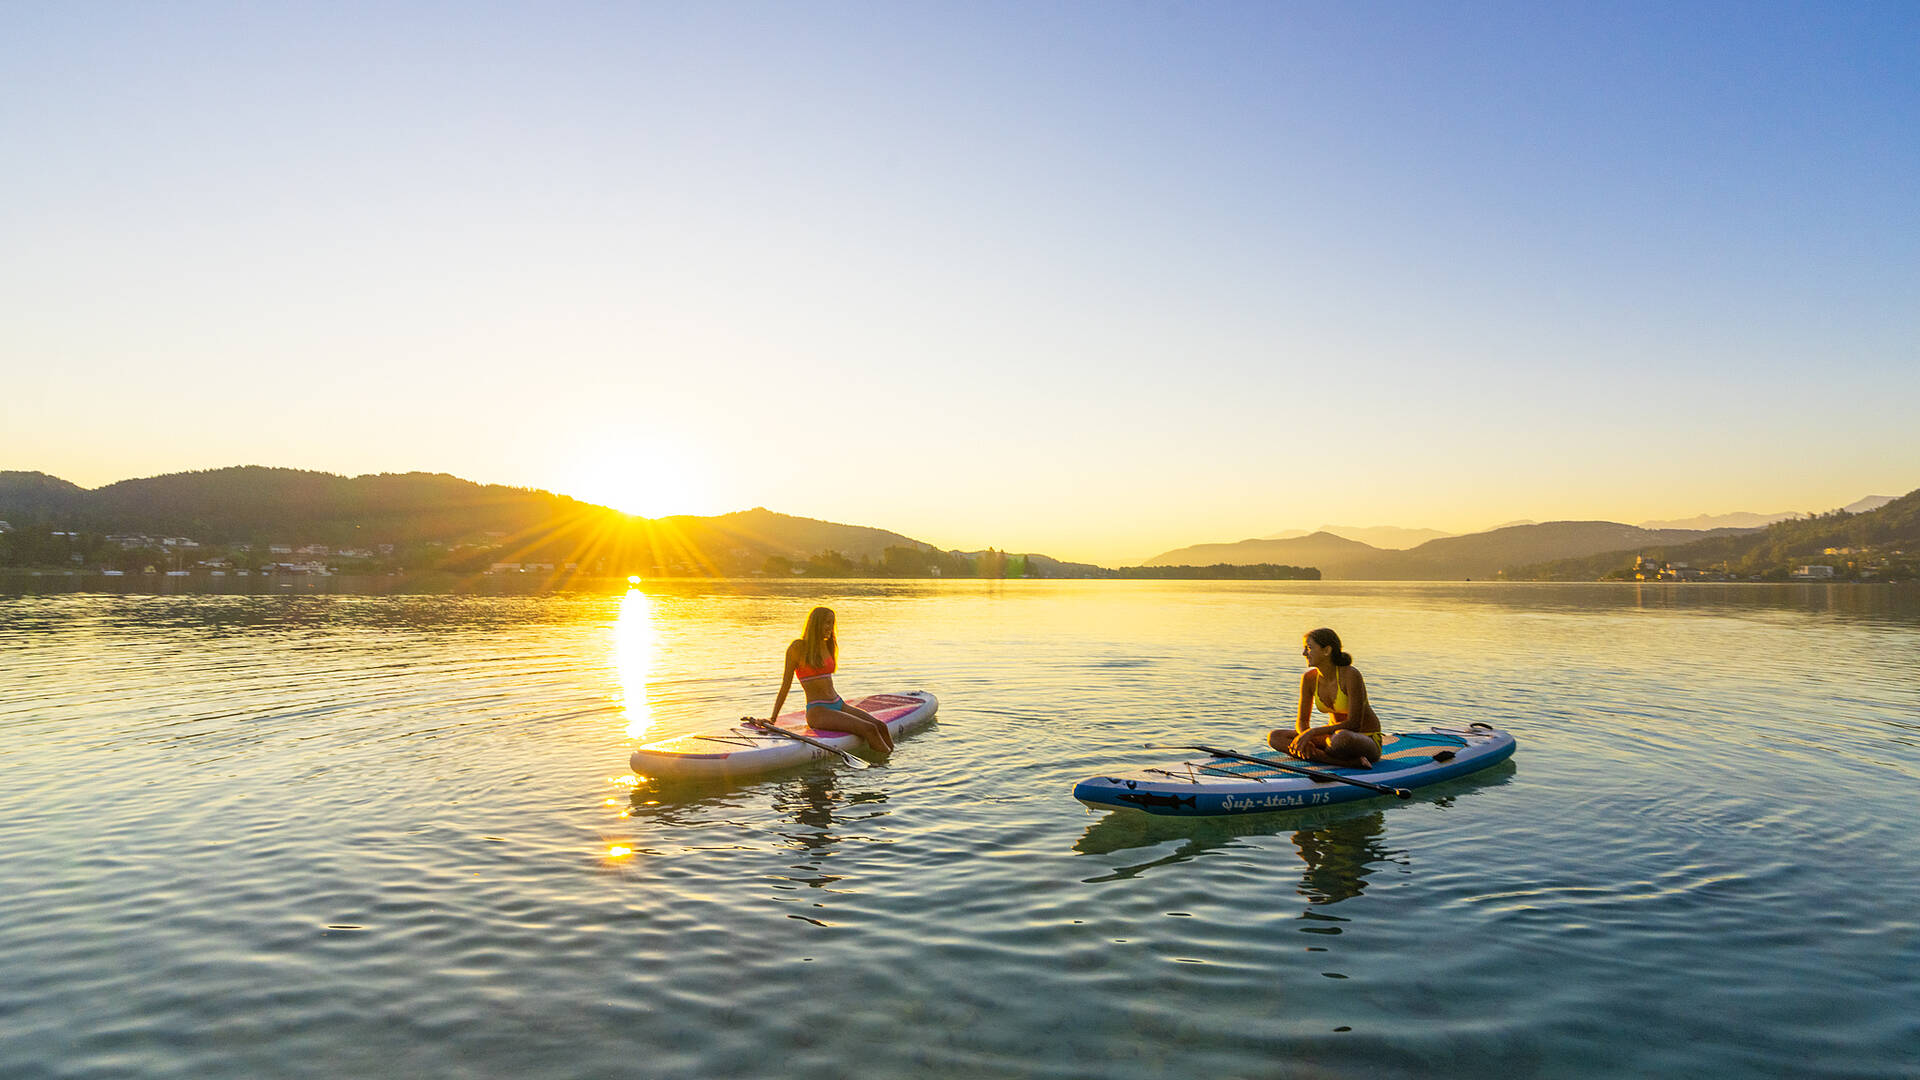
x,y
1348,553
1380,536
1479,555
1396,538
1760,521
1886,535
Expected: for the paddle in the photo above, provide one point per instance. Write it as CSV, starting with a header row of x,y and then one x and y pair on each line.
x,y
762,725
1232,755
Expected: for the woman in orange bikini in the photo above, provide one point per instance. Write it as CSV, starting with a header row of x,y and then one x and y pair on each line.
x,y
1353,737
813,657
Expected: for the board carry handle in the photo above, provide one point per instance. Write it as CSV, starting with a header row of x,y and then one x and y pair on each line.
x,y
1234,755
1478,729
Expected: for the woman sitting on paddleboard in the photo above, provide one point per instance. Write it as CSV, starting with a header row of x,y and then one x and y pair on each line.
x,y
1353,737
813,656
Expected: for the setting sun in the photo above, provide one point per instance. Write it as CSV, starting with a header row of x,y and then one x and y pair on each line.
x,y
646,482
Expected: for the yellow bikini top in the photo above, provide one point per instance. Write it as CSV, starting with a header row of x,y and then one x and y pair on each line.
x,y
1341,703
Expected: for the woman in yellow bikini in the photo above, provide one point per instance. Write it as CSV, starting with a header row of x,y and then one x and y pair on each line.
x,y
814,656
1353,737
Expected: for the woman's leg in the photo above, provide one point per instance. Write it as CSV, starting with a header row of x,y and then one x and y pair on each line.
x,y
1347,749
854,722
1352,750
880,737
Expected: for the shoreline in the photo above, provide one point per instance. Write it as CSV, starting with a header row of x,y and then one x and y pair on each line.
x,y
447,583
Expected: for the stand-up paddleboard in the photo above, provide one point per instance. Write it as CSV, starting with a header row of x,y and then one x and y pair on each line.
x,y
739,750
1205,784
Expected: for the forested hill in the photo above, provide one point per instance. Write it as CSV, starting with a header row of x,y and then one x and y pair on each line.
x,y
1894,527
1487,554
1335,555
432,519
253,503
35,496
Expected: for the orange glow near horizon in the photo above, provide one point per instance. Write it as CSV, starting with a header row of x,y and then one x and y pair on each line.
x,y
635,637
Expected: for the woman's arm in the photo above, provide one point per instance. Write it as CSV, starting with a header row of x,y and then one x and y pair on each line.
x,y
786,683
1281,738
1302,728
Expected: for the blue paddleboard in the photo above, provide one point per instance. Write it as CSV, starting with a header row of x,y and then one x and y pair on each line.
x,y
1206,785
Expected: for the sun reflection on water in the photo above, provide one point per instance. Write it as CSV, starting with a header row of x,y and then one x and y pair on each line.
x,y
635,637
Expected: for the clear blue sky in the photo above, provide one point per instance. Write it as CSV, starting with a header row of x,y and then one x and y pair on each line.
x,y
1093,279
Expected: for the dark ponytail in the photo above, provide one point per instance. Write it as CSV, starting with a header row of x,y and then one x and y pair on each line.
x,y
1327,639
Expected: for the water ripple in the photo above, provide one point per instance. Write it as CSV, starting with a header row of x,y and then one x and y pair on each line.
x,y
316,835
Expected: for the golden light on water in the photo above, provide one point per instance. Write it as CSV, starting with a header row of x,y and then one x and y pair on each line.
x,y
618,851
635,637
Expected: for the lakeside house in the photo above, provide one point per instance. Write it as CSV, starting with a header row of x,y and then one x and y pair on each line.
x,y
1645,569
315,569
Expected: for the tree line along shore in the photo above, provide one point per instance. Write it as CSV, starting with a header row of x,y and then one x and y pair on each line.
x,y
34,549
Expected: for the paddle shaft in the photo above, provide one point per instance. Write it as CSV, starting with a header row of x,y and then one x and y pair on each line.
x,y
762,725
1232,755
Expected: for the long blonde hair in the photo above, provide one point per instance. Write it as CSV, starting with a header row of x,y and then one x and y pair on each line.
x,y
817,642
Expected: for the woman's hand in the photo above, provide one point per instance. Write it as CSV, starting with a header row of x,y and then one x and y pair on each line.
x,y
1312,741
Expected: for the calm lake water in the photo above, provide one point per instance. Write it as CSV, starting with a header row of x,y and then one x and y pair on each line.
x,y
290,836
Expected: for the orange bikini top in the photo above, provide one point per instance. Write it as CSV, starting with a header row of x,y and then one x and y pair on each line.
x,y
808,674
